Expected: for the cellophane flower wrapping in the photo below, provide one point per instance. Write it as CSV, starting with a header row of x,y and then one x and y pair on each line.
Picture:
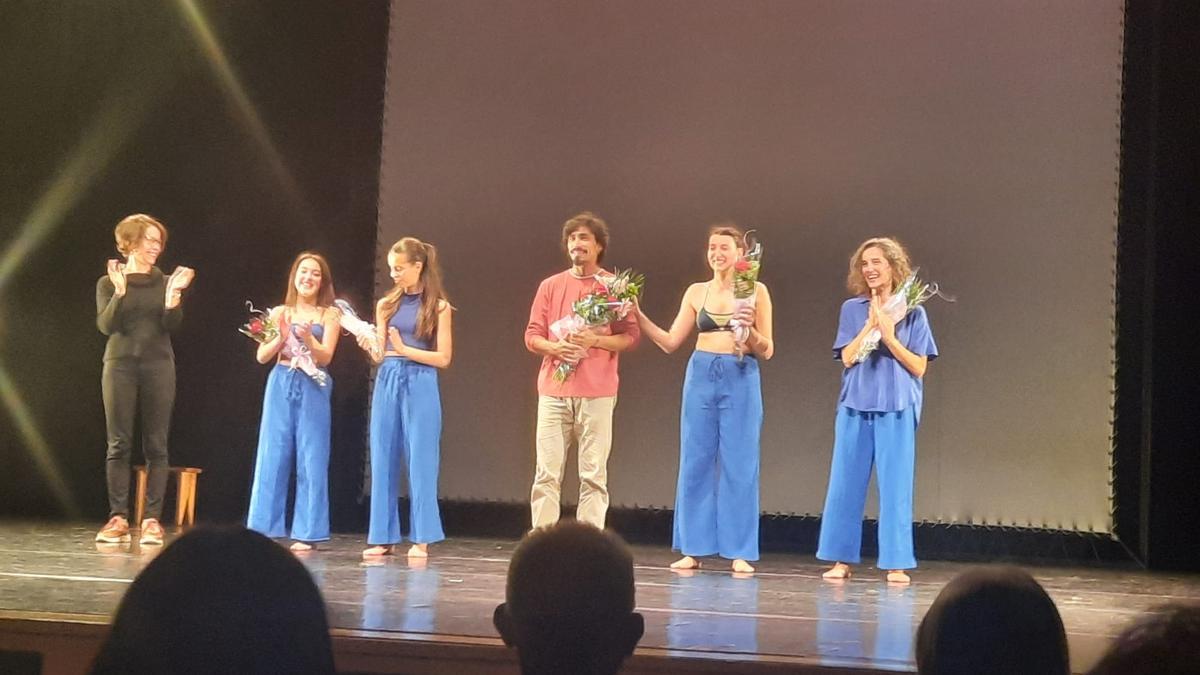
x,y
610,300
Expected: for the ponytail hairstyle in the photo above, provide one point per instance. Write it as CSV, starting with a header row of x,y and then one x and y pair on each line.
x,y
433,292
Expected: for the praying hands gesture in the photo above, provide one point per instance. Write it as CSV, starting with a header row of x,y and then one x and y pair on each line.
x,y
878,317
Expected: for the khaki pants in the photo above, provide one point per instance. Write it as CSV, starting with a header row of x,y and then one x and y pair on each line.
x,y
561,423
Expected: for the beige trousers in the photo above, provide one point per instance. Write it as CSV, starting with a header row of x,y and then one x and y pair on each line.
x,y
561,423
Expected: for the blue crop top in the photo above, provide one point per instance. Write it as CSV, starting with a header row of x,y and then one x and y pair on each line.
x,y
405,321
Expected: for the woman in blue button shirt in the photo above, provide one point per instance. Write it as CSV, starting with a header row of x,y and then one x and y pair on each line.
x,y
879,408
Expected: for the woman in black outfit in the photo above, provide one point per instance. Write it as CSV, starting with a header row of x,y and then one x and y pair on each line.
x,y
137,306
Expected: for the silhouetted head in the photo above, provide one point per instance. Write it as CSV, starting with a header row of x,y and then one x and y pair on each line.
x,y
220,600
1166,641
992,621
569,601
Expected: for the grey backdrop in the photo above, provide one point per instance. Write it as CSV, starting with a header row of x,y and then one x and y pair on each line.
x,y
984,135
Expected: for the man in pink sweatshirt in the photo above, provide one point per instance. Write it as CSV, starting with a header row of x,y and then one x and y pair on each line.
x,y
579,410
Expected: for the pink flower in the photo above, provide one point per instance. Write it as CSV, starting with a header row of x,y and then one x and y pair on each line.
x,y
256,326
742,265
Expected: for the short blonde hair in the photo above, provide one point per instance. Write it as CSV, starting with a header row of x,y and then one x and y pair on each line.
x,y
132,229
896,256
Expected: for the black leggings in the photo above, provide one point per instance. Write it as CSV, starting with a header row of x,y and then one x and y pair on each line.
x,y
124,382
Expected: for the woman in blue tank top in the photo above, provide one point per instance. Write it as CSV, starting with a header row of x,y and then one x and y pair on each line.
x,y
296,411
414,326
716,500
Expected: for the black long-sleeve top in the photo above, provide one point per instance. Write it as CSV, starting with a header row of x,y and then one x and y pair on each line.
x,y
138,324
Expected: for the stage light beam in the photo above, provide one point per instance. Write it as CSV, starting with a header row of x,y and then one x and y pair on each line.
x,y
36,443
248,112
104,137
119,115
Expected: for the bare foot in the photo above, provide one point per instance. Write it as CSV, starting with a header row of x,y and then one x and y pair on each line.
x,y
302,547
687,562
377,551
898,577
838,572
419,551
742,566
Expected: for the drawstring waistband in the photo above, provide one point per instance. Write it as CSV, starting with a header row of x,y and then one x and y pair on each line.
x,y
294,384
716,370
401,375
716,365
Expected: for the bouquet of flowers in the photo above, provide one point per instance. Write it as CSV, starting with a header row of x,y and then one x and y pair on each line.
x,y
745,284
912,294
610,300
262,328
358,328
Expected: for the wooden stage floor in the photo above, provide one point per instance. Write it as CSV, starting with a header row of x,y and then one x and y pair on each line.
x,y
783,618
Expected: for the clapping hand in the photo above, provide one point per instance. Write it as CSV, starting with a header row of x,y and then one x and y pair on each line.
x,y
180,279
302,330
395,341
116,274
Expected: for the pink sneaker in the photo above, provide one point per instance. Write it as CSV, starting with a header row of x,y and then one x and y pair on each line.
x,y
115,531
152,532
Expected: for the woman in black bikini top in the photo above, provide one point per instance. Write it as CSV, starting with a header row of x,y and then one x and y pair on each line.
x,y
722,412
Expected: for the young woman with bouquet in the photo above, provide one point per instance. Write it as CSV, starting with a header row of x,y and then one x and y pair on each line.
x,y
716,501
295,427
413,341
884,344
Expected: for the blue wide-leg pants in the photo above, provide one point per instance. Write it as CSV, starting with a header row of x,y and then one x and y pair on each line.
x,y
716,500
294,430
886,440
406,435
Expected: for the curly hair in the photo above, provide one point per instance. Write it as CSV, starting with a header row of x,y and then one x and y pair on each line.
x,y
896,256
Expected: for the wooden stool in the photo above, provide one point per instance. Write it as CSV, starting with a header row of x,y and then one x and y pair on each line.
x,y
185,497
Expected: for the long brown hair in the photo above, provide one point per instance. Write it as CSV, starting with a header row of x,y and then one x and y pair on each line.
x,y
325,293
896,256
433,292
